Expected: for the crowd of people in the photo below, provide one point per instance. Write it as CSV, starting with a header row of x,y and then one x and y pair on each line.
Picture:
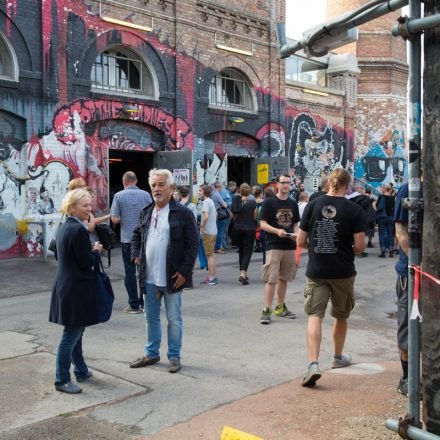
x,y
163,233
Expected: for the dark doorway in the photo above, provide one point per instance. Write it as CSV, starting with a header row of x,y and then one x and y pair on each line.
x,y
239,169
121,161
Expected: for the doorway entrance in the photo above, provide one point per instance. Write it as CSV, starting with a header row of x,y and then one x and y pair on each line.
x,y
239,169
121,161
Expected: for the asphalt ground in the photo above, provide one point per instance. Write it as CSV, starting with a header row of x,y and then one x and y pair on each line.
x,y
236,372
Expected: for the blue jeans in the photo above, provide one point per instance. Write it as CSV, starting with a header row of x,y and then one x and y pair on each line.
x,y
221,226
386,233
130,277
70,351
173,304
225,233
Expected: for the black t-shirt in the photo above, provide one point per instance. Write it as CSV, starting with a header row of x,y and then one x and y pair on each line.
x,y
316,194
281,214
331,222
244,214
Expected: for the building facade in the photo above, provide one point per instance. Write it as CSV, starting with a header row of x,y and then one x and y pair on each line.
x,y
95,88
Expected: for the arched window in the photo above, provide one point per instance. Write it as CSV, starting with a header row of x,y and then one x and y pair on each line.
x,y
230,89
122,71
8,60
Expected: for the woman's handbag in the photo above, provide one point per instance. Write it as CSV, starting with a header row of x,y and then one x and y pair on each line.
x,y
222,213
104,291
53,243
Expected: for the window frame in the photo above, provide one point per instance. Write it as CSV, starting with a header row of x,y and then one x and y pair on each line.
x,y
113,81
218,91
13,58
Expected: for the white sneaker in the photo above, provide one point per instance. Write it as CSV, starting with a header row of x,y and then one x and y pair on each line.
x,y
311,376
345,361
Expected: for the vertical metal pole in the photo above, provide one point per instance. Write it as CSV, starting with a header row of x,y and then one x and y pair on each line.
x,y
414,224
45,240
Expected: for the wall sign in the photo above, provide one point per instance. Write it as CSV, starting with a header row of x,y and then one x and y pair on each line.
x,y
181,177
262,173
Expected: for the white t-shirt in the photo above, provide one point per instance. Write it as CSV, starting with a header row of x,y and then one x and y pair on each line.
x,y
158,238
211,224
301,207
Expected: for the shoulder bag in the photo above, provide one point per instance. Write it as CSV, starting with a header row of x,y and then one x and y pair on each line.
x,y
53,243
104,291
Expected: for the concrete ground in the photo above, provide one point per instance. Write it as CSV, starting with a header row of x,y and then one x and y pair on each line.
x,y
236,372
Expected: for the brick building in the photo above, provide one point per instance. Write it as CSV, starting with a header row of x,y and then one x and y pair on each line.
x,y
93,88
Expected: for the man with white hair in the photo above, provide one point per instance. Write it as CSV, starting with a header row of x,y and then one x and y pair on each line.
x,y
165,245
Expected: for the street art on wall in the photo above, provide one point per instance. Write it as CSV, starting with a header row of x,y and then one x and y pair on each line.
x,y
382,160
316,147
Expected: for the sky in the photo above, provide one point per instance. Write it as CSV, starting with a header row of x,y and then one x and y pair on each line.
x,y
302,15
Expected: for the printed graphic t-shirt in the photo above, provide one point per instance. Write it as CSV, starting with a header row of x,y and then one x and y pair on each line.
x,y
281,214
331,222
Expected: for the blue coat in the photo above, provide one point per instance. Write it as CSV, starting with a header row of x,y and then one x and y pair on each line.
x,y
182,249
73,301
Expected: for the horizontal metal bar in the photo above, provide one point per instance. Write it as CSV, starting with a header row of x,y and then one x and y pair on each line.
x,y
415,26
412,432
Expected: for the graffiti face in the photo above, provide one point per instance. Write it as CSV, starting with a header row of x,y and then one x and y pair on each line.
x,y
316,147
384,162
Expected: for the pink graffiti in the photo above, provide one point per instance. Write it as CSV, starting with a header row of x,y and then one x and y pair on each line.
x,y
175,129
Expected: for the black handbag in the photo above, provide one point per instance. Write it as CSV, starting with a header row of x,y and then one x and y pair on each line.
x,y
222,213
53,243
104,291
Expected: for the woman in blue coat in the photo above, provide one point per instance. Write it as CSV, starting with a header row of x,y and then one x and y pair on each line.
x,y
73,302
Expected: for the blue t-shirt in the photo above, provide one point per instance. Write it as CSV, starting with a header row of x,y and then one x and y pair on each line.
x,y
401,216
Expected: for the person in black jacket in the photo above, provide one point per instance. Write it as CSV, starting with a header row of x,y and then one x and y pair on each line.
x,y
245,213
73,302
165,245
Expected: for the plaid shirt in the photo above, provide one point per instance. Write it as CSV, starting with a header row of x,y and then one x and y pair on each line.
x,y
127,205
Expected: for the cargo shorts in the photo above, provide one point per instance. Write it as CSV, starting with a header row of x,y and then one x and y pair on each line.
x,y
339,290
280,265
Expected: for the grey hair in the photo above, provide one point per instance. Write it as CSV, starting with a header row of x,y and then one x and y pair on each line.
x,y
161,172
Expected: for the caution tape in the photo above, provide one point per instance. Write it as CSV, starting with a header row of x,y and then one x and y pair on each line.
x,y
415,313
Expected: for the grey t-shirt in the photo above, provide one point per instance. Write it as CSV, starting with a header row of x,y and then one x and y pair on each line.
x,y
211,224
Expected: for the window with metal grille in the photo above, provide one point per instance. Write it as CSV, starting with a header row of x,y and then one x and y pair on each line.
x,y
229,89
121,71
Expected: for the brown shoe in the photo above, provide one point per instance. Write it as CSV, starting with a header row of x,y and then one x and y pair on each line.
x,y
220,251
144,361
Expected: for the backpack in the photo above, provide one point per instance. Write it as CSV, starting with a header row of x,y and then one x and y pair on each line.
x,y
107,238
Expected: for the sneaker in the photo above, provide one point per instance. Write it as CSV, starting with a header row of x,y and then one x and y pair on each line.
x,y
69,388
132,310
311,376
212,282
265,316
391,255
84,378
363,255
174,366
402,388
282,310
345,361
382,254
220,251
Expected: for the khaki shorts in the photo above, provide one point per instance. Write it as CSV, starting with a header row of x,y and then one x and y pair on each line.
x,y
319,291
208,244
280,265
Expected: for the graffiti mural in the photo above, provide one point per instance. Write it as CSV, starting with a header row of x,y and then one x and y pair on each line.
x,y
316,147
85,111
381,161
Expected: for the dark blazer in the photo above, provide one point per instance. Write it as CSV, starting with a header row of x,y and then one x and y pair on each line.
x,y
183,247
73,301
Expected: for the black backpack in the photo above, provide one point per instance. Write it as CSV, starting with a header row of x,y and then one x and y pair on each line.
x,y
107,238
367,205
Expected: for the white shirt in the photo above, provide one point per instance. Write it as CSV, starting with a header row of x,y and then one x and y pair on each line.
x,y
211,225
301,207
158,238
